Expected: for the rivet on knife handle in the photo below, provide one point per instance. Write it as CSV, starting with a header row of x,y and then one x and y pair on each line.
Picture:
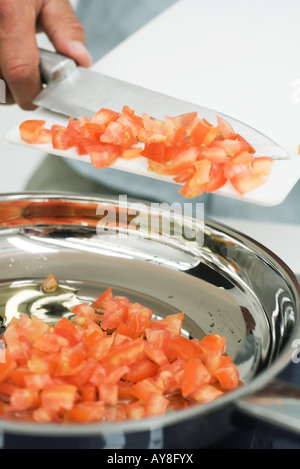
x,y
55,67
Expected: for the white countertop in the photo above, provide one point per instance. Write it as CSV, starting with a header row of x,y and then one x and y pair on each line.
x,y
238,57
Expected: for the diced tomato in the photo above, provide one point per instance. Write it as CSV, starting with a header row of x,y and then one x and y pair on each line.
x,y
100,302
144,388
171,323
114,375
194,375
245,145
231,147
152,124
180,158
181,347
206,393
103,154
44,138
242,157
233,170
40,415
125,354
227,374
212,344
155,151
86,412
186,121
155,354
226,129
141,369
82,312
19,374
37,382
41,365
131,153
19,347
124,333
58,397
138,317
217,178
117,133
37,329
262,165
108,394
160,338
135,123
184,175
245,184
211,135
115,314
71,359
100,348
89,392
30,130
156,405
104,117
167,381
84,374
60,139
196,184
135,410
124,391
68,330
199,131
214,154
24,399
6,367
51,342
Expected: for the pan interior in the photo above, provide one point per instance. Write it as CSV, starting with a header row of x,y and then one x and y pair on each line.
x,y
168,274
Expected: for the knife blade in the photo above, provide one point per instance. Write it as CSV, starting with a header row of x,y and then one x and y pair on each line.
x,y
76,91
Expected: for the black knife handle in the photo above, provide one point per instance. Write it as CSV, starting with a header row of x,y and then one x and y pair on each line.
x,y
55,67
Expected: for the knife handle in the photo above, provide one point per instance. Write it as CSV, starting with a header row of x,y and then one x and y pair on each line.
x,y
55,67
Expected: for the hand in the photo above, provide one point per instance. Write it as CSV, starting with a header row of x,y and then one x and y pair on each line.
x,y
20,20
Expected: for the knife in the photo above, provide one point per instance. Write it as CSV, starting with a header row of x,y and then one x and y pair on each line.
x,y
77,91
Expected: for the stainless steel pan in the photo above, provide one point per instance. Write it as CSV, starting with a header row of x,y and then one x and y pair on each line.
x,y
224,281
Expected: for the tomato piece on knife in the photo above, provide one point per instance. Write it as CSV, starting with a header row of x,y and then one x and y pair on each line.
x,y
261,169
217,178
103,154
30,130
226,129
196,184
104,117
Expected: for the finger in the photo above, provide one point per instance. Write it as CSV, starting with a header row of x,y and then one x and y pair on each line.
x,y
65,31
5,94
19,52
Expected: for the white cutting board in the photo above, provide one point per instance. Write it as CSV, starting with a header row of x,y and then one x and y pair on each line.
x,y
260,88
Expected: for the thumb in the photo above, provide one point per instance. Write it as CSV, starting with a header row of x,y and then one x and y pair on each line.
x,y
66,33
